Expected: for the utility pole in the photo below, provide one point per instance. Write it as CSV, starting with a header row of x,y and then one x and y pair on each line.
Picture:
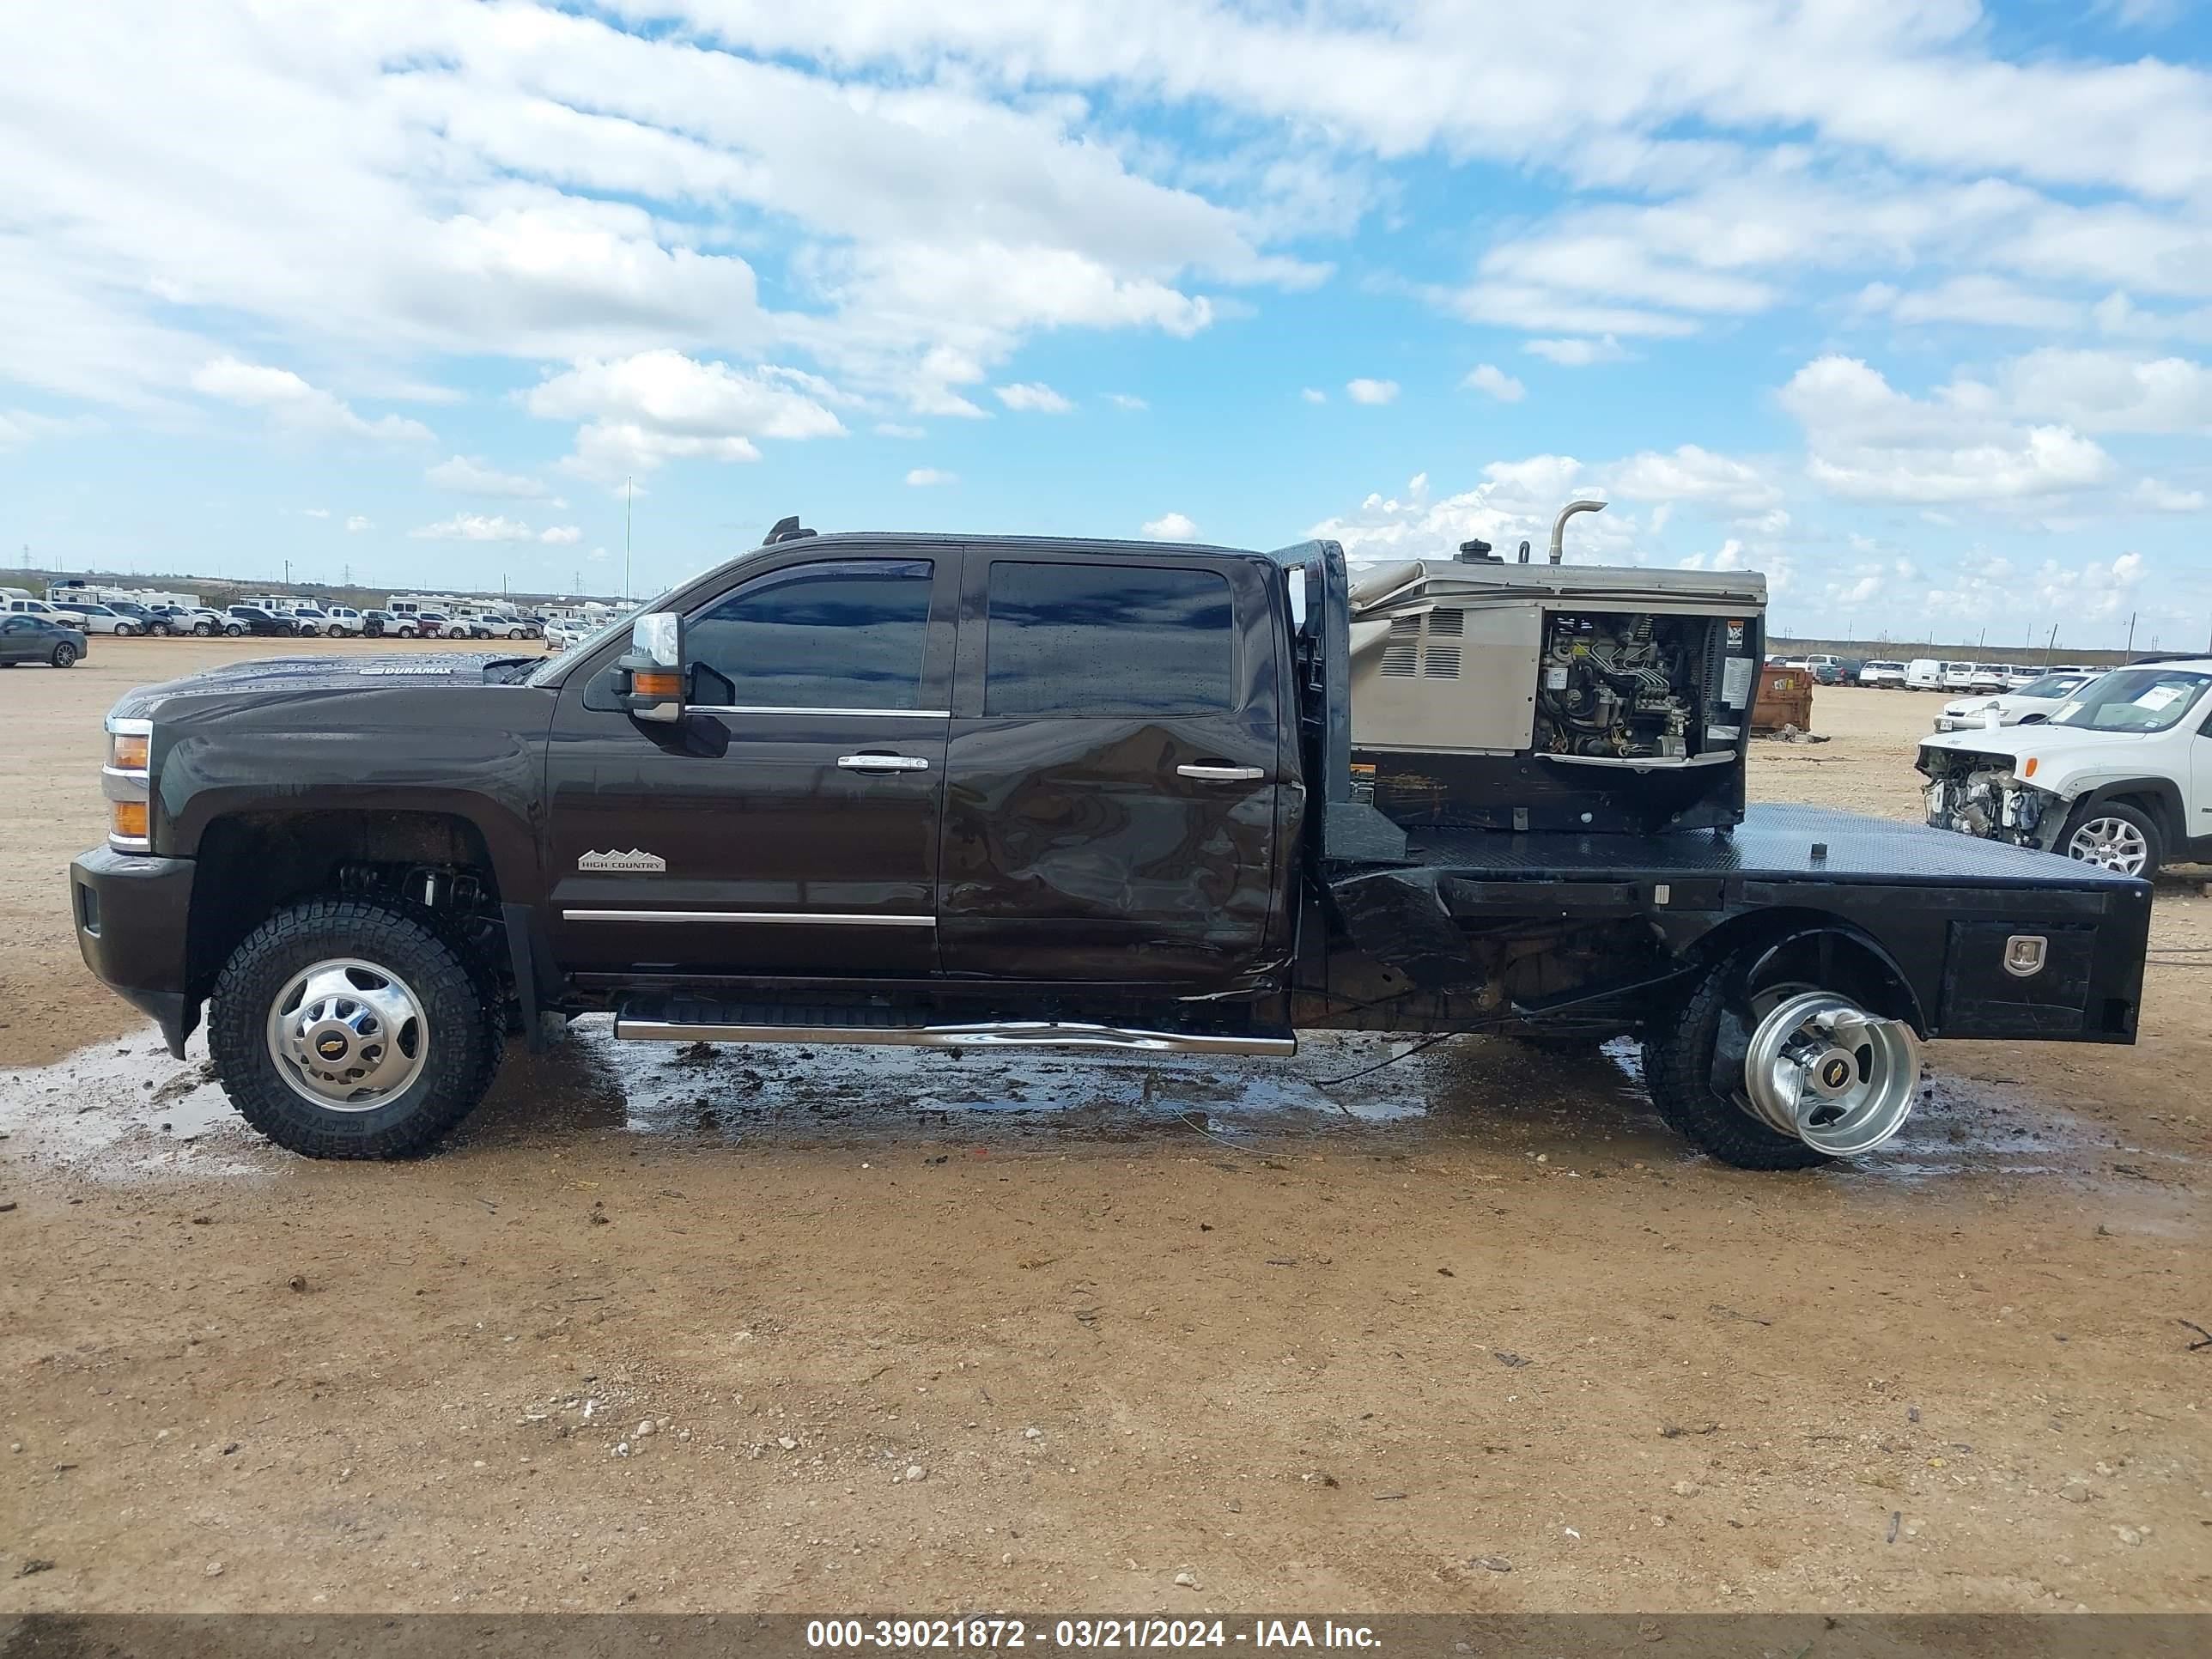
x,y
288,573
2131,647
629,488
2051,649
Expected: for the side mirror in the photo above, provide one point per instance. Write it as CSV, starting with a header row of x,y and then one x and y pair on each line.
x,y
650,679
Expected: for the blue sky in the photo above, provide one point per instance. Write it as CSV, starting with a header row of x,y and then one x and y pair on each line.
x,y
1906,304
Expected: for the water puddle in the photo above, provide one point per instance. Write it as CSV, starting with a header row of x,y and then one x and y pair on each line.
x,y
126,1111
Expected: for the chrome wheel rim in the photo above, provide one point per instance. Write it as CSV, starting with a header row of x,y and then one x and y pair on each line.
x,y
347,1034
1824,1070
2111,844
64,655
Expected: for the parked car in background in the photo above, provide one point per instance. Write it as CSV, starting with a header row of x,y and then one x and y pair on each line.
x,y
1890,675
375,624
137,613
490,625
1986,677
96,618
252,619
53,613
431,625
1959,676
26,638
2039,699
1927,674
341,619
198,619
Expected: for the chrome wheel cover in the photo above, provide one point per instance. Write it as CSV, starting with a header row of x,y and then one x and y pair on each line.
x,y
347,1034
1824,1070
2111,844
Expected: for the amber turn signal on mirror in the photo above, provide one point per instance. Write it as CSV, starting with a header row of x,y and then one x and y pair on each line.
x,y
654,685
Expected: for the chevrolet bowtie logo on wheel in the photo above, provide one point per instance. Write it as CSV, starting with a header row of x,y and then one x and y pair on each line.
x,y
633,863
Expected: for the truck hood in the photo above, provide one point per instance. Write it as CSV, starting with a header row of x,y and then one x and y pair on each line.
x,y
283,678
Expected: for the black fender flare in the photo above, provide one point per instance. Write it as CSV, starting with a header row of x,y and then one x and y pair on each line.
x,y
1769,933
2165,796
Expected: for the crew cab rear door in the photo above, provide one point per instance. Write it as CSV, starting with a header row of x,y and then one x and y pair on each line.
x,y
1113,769
789,825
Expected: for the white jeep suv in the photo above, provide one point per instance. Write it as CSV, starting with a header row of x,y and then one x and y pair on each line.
x,y
2120,775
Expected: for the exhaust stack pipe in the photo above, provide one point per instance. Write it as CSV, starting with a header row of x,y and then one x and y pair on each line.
x,y
1559,525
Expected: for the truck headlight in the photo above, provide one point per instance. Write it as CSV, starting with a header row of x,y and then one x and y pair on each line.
x,y
127,781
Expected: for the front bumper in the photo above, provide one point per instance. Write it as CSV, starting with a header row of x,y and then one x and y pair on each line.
x,y
133,916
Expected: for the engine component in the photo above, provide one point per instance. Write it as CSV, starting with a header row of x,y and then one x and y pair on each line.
x,y
1619,686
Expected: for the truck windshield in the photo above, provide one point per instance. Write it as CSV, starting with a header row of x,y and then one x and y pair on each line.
x,y
2134,700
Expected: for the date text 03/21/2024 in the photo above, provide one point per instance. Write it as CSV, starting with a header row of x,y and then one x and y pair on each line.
x,y
903,1634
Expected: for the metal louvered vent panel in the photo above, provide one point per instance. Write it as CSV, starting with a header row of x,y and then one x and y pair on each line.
x,y
1441,663
1447,624
1402,651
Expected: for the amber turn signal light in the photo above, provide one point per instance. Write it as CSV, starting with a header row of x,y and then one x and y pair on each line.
x,y
126,751
127,819
2028,770
655,685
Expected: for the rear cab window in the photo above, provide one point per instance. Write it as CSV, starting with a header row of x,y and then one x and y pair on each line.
x,y
1088,639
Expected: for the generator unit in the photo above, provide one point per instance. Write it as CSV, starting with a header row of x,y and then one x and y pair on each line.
x,y
1550,696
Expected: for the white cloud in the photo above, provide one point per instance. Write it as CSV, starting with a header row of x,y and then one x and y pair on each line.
x,y
20,426
1488,379
1986,300
316,512
1984,584
1514,501
1691,474
1371,392
1578,353
474,527
898,429
654,407
2108,391
2164,498
1169,527
922,477
470,474
1032,397
358,522
560,535
1870,442
1125,400
1314,395
293,405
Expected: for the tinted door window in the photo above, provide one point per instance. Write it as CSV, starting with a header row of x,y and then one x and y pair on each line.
x,y
1094,639
847,635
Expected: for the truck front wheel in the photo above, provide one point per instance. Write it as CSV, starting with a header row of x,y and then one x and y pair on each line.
x,y
1767,1071
345,1029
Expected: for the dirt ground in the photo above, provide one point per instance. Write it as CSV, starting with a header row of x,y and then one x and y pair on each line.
x,y
858,1329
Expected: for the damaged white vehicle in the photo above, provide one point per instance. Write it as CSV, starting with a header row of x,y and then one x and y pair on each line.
x,y
2119,776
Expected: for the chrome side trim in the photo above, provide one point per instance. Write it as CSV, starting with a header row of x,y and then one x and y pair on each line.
x,y
1005,1034
887,713
826,918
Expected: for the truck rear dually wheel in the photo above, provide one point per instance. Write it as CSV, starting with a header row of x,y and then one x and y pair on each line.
x,y
346,1029
1765,1071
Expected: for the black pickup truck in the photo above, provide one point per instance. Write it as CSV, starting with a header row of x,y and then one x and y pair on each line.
x,y
995,792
